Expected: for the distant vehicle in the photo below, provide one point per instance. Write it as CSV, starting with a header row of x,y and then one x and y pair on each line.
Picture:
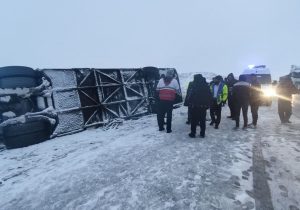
x,y
295,75
264,77
36,105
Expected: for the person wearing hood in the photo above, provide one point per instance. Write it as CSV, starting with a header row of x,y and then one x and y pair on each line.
x,y
219,93
199,100
167,88
230,81
285,90
241,96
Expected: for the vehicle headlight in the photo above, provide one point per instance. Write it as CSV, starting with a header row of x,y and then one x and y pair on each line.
x,y
269,92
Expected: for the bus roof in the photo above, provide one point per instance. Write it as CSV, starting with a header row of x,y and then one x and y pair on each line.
x,y
257,70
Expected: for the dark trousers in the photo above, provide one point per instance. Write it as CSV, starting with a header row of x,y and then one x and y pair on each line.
x,y
284,110
244,108
164,107
189,114
215,112
254,112
198,114
231,106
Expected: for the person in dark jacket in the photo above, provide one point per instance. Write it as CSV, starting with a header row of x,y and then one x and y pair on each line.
x,y
219,93
188,92
285,90
255,99
230,81
167,88
199,101
241,97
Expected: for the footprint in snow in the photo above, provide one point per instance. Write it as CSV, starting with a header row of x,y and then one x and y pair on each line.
x,y
292,207
284,190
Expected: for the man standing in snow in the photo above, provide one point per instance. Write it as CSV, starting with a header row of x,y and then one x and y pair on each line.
x,y
167,89
255,99
285,90
198,100
241,97
219,92
230,81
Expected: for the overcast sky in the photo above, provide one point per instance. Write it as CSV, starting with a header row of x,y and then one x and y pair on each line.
x,y
220,36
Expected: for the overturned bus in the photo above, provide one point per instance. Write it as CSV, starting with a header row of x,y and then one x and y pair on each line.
x,y
36,105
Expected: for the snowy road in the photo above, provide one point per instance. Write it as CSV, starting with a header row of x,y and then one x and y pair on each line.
x,y
137,167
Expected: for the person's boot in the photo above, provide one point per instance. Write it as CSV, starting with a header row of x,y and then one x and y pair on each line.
x,y
216,126
202,135
169,131
192,135
236,128
161,129
212,123
229,116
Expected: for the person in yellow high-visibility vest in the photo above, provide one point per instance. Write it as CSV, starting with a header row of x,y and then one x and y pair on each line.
x,y
219,92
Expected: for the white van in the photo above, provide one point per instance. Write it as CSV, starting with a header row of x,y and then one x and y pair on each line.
x,y
264,77
295,75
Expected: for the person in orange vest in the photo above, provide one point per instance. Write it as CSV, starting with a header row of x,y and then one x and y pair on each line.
x,y
167,89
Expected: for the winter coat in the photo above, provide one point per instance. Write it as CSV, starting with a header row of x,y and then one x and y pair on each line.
x,y
286,89
188,93
241,92
222,93
200,95
255,93
167,90
230,83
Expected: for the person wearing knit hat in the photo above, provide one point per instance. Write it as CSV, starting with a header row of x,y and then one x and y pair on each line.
x,y
170,74
167,88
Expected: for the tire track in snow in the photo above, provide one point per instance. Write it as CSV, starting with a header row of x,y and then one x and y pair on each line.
x,y
262,194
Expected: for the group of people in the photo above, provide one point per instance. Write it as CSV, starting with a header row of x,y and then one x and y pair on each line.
x,y
202,96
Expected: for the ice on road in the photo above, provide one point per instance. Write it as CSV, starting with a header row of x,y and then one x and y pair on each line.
x,y
138,167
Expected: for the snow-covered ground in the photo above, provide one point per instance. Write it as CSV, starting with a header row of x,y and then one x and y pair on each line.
x,y
135,166
281,149
132,167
